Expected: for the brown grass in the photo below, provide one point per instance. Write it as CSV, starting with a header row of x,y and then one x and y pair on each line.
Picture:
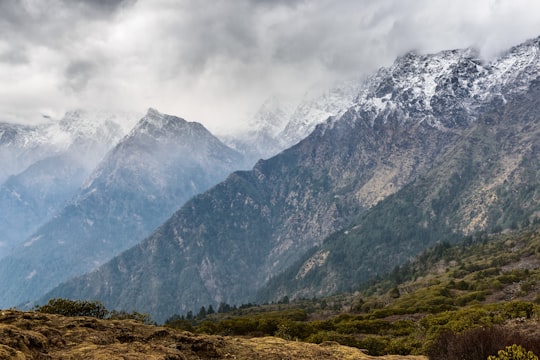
x,y
29,335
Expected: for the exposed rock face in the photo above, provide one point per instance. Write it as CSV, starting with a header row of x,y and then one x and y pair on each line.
x,y
163,162
227,242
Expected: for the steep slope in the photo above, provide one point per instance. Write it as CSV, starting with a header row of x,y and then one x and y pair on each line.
x,y
163,162
227,242
47,164
488,181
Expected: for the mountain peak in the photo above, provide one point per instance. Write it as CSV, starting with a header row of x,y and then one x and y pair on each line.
x,y
158,124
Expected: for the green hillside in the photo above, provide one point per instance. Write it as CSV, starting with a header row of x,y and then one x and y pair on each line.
x,y
486,288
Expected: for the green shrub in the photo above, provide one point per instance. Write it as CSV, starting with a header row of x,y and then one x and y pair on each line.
x,y
68,307
123,315
514,352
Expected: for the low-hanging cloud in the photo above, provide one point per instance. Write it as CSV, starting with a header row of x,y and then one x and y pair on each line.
x,y
216,61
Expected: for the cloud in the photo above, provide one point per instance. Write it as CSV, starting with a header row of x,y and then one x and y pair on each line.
x,y
216,61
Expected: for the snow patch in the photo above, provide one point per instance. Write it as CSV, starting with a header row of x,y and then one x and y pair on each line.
x,y
32,240
31,274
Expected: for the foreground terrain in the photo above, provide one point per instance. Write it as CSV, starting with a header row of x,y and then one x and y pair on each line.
x,y
31,335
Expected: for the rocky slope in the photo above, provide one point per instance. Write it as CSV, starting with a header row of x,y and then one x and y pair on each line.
x,y
488,181
163,162
407,120
43,336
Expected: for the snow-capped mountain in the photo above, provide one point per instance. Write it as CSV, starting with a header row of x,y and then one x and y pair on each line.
x,y
261,140
438,116
45,165
159,165
424,88
278,125
24,145
316,108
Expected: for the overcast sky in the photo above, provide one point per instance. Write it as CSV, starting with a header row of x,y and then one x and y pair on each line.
x,y
215,61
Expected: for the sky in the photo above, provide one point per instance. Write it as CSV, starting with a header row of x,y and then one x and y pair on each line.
x,y
217,61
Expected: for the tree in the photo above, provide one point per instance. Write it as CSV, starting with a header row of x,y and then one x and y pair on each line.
x,y
202,313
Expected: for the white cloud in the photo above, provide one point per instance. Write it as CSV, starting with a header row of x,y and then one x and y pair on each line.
x,y
216,61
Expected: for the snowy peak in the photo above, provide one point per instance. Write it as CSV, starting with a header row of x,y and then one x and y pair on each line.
x,y
158,125
86,134
517,67
278,125
161,144
84,124
270,118
316,108
444,89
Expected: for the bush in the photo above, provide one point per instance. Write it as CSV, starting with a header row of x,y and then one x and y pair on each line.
x,y
477,344
123,315
514,352
68,307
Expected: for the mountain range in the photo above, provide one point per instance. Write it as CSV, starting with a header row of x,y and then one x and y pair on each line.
x,y
43,166
151,172
434,147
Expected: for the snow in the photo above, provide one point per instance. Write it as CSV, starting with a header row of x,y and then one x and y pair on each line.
x,y
31,274
455,79
31,241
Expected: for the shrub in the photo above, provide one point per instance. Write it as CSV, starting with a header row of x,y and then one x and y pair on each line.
x,y
68,307
123,315
514,352
477,344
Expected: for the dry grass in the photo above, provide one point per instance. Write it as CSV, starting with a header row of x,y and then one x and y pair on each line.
x,y
29,335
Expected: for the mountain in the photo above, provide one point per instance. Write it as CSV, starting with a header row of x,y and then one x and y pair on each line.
x,y
261,140
23,145
277,126
157,167
407,120
47,164
316,107
488,181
